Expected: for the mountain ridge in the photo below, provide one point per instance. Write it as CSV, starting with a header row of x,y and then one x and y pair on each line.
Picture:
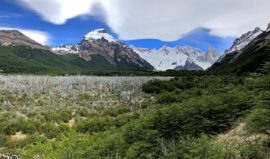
x,y
20,54
167,58
244,40
15,37
248,59
100,42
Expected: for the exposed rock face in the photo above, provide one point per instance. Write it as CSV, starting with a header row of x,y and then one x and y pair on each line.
x,y
14,37
211,55
189,65
268,28
241,43
244,40
248,59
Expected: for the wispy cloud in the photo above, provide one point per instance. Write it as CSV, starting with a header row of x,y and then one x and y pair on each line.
x,y
38,36
167,20
9,15
59,11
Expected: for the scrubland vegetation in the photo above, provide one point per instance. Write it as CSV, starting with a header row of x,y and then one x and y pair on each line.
x,y
80,117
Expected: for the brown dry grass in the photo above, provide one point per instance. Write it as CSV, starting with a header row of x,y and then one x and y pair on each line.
x,y
240,135
18,136
71,122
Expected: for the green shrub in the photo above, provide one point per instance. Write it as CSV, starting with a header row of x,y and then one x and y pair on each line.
x,y
50,116
11,128
64,128
95,124
62,115
157,86
204,148
4,140
259,121
255,150
50,130
167,98
115,111
82,112
29,126
142,150
123,119
30,139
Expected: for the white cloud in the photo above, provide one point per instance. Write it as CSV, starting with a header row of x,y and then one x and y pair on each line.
x,y
59,11
166,20
38,36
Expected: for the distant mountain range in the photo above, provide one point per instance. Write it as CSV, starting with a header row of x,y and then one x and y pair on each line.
x,y
100,51
99,41
248,53
167,58
20,54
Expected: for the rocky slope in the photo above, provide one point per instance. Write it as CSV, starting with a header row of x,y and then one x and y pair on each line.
x,y
20,54
189,65
14,37
173,58
99,42
244,40
241,42
248,59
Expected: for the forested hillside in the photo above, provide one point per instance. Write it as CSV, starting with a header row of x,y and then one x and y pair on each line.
x,y
247,60
27,60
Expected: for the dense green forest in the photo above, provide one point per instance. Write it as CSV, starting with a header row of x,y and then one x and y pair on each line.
x,y
192,116
27,60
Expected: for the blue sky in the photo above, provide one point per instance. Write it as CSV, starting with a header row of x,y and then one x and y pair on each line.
x,y
72,30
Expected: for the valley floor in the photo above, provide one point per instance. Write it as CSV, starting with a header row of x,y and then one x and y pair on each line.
x,y
82,117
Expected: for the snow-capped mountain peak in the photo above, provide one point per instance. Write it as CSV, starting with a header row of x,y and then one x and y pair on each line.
x,y
244,40
268,28
165,50
212,55
167,58
88,39
66,49
164,47
189,65
99,34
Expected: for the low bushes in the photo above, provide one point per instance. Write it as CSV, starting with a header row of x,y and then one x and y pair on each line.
x,y
168,98
259,121
95,124
62,115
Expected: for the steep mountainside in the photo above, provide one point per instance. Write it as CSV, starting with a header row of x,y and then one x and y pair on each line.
x,y
247,59
14,37
189,65
24,59
244,40
173,58
20,54
99,42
